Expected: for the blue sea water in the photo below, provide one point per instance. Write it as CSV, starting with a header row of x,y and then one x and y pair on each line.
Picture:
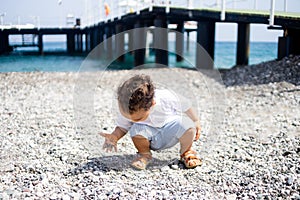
x,y
225,56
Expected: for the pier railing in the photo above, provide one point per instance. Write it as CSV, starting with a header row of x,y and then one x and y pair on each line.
x,y
110,9
95,11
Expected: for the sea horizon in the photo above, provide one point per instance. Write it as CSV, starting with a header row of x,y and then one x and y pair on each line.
x,y
28,59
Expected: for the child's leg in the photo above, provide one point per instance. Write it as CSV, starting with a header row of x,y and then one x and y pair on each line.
x,y
142,144
188,156
186,140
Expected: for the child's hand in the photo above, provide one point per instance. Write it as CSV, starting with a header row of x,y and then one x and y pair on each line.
x,y
110,142
198,130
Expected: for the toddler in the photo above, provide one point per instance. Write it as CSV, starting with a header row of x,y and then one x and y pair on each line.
x,y
155,122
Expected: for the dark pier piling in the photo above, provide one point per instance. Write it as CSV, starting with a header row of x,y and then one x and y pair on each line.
x,y
4,42
243,49
161,40
289,43
120,42
179,41
206,44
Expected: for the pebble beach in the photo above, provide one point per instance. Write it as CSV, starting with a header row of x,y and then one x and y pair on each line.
x,y
250,142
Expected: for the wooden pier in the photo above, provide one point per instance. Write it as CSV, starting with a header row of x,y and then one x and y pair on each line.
x,y
74,38
288,43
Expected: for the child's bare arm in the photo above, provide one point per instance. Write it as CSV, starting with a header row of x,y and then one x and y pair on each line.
x,y
112,139
119,132
192,114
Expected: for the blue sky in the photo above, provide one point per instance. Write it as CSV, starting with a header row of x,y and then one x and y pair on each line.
x,y
50,13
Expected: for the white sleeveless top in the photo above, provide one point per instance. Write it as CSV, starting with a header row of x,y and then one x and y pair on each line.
x,y
168,107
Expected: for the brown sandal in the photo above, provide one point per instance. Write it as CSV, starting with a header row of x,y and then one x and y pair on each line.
x,y
141,161
190,159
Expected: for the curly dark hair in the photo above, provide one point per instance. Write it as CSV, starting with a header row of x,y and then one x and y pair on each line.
x,y
136,93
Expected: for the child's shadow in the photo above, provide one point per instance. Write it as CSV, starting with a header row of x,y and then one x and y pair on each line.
x,y
116,163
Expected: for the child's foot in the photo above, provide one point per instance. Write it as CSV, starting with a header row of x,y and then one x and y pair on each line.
x,y
142,160
190,159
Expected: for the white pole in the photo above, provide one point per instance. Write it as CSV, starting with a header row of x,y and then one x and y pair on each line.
x,y
95,14
272,13
148,41
190,4
99,11
112,11
38,22
167,6
2,18
35,22
151,5
137,7
285,5
119,10
60,13
86,13
223,10
255,4
127,7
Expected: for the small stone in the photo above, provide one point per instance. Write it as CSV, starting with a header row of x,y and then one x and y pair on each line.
x,y
26,190
118,190
165,193
260,196
53,196
9,192
4,196
200,169
130,190
38,166
175,167
40,194
87,191
152,193
30,168
66,197
295,196
75,196
141,191
165,168
63,158
10,168
34,183
289,181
